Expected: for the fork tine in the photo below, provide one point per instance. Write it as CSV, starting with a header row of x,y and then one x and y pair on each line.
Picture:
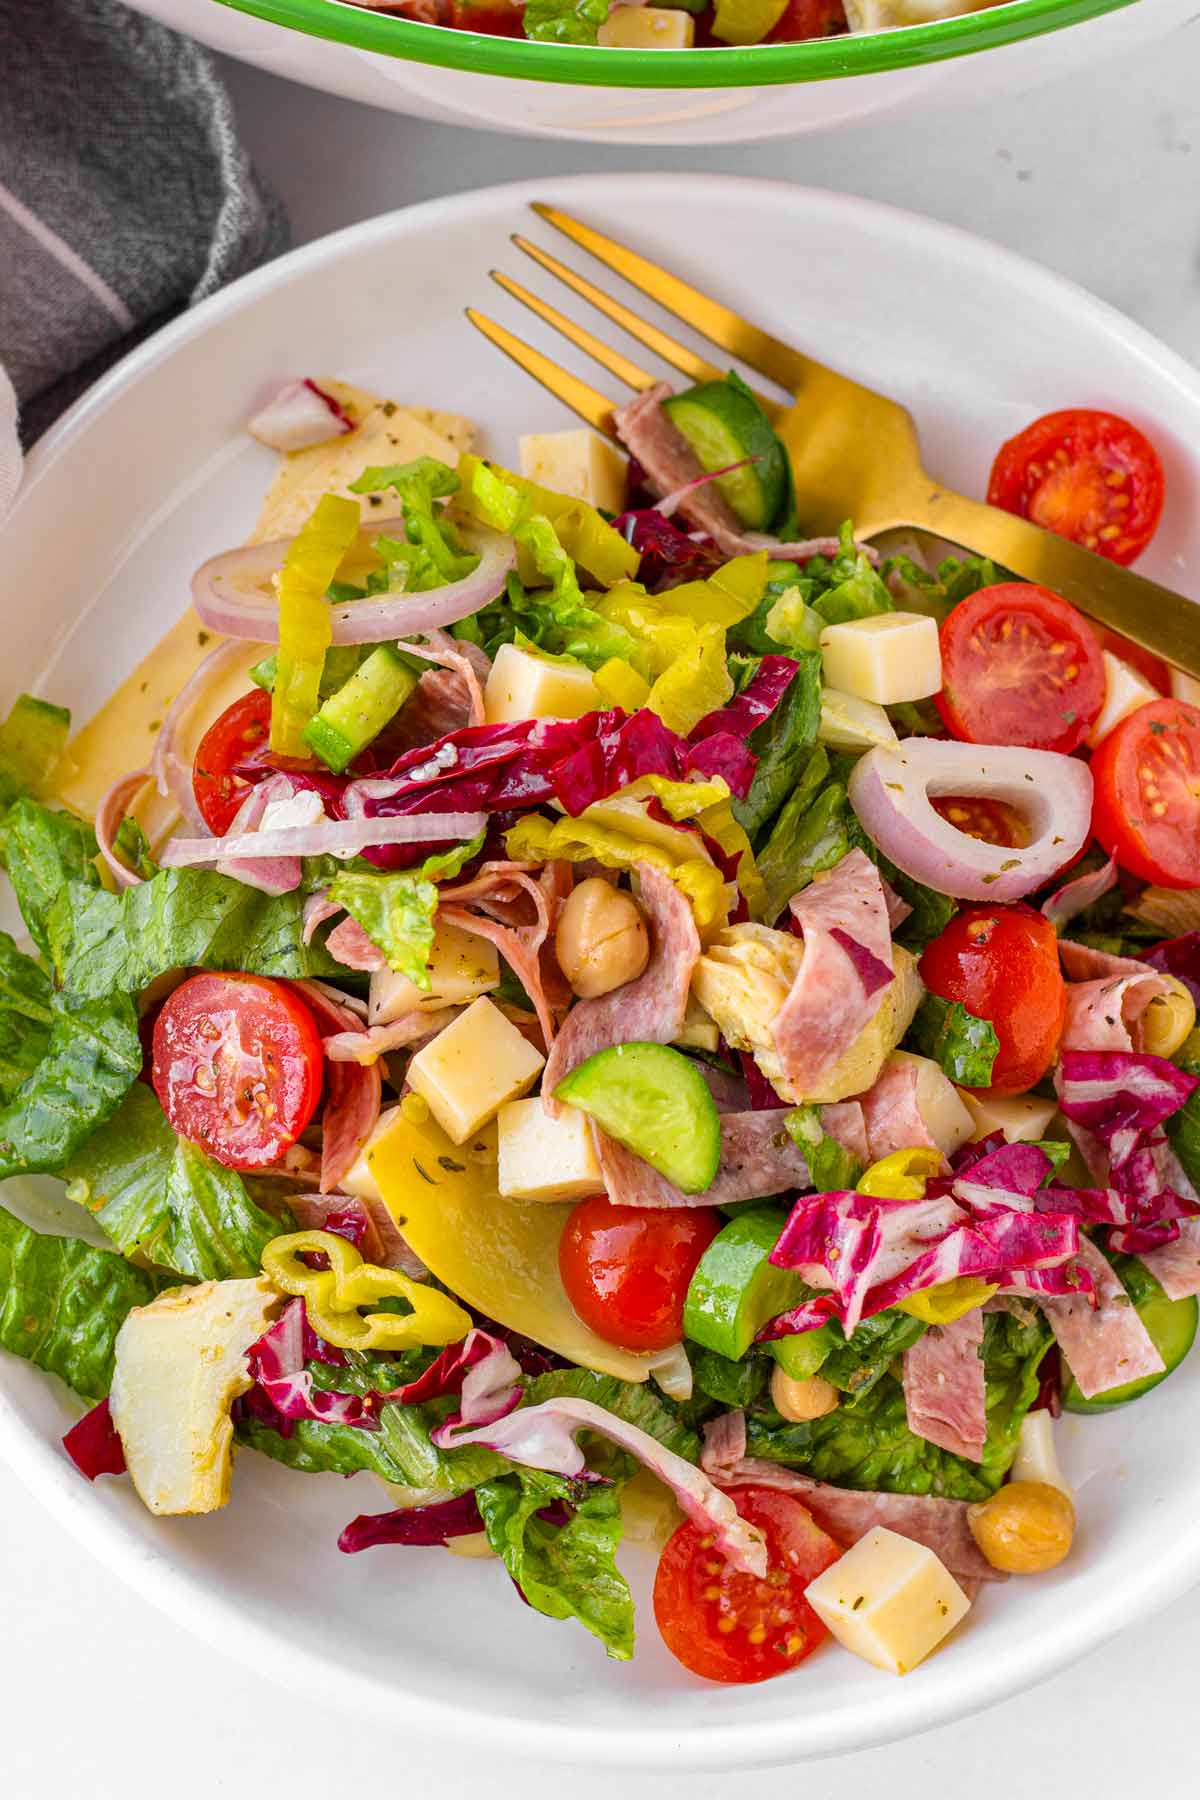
x,y
593,407
758,349
612,360
678,355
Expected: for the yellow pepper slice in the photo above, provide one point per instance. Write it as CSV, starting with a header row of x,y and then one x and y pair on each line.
x,y
696,684
619,684
332,1297
726,597
662,636
535,839
305,623
902,1176
584,534
746,21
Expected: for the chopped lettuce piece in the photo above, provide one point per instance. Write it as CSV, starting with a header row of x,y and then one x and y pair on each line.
x,y
633,1401
62,1303
831,1167
397,911
106,943
133,847
782,744
92,1056
727,1382
564,1566
914,589
32,741
812,832
856,1363
565,21
848,587
963,1046
1183,1127
430,554
160,1198
26,1016
43,852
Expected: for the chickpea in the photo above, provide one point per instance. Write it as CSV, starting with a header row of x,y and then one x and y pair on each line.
x,y
1024,1528
601,938
800,1401
1168,1020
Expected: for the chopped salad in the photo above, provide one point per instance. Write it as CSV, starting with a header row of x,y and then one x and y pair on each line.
x,y
554,991
634,25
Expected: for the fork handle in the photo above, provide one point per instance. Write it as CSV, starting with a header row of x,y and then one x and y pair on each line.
x,y
1157,618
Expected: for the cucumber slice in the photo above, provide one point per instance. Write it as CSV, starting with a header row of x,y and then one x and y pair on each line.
x,y
654,1101
735,1288
723,424
1172,1326
361,708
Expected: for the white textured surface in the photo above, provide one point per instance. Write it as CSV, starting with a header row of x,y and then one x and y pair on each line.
x,y
103,1696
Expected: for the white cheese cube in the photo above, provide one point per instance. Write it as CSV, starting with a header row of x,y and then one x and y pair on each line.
x,y
543,1158
849,723
647,28
1023,1118
359,1179
943,1114
461,967
580,463
1037,1453
467,1072
523,685
887,658
1124,691
888,1600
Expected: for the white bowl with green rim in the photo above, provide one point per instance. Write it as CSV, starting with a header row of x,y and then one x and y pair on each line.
x,y
710,96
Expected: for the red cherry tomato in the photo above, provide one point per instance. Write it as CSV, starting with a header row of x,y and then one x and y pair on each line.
x,y
1020,666
1147,808
729,1626
804,19
992,821
626,1269
1089,476
238,1066
230,741
1001,962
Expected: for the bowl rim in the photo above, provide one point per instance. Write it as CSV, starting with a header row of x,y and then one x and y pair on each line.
x,y
753,65
899,1711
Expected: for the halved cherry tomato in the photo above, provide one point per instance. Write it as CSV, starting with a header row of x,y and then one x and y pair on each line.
x,y
1020,666
1090,476
238,1066
231,740
729,1626
1001,962
626,1269
804,19
992,821
1147,808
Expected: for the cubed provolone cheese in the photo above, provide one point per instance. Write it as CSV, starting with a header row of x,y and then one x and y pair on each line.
x,y
580,463
1124,691
523,685
887,658
543,1158
888,1600
468,1071
1037,1453
1023,1118
461,968
358,1179
849,723
943,1114
647,28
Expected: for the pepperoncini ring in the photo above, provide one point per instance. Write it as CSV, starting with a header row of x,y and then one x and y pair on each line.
x,y
333,1296
902,1175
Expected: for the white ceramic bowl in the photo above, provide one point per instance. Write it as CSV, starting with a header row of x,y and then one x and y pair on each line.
x,y
669,97
150,474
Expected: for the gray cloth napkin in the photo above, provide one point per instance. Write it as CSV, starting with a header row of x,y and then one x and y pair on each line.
x,y
124,193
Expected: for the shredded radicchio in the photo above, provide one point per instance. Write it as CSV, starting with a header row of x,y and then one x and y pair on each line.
x,y
421,1525
94,1445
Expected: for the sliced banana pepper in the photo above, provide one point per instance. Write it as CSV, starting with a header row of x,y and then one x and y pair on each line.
x,y
333,1296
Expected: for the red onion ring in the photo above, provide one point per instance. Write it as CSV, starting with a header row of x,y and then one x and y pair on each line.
x,y
219,590
109,813
890,791
300,415
336,836
172,775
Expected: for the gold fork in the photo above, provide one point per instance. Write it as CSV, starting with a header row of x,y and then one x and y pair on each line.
x,y
854,453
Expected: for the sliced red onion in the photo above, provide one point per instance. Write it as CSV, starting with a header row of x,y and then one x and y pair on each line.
x,y
1075,895
173,773
670,502
353,1094
111,810
299,415
366,1047
338,837
543,1437
231,592
891,789
269,874
673,1372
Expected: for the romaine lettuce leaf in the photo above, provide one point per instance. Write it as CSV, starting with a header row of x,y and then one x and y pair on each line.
x,y
812,832
32,741
91,1058
160,1197
430,554
914,589
856,1363
782,744
44,851
964,1047
26,1015
565,1570
106,943
397,911
1183,1127
729,1383
565,21
831,1167
633,1401
62,1303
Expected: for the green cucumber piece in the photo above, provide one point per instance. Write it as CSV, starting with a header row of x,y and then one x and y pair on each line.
x,y
1172,1327
724,424
361,708
654,1101
341,660
735,1288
